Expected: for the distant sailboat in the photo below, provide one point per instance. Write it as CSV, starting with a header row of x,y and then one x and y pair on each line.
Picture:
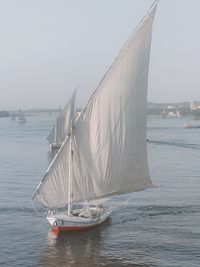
x,y
12,115
170,112
22,117
105,152
188,125
62,125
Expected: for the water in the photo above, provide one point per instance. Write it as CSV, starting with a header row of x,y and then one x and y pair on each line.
x,y
160,226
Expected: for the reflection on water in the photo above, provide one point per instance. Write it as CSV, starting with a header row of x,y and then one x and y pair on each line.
x,y
75,249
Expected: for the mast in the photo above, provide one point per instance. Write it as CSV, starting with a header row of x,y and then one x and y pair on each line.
x,y
56,132
70,193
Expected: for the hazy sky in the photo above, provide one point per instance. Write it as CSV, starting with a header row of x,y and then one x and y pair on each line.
x,y
48,47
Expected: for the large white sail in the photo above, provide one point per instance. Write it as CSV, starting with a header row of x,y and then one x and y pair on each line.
x,y
62,125
109,146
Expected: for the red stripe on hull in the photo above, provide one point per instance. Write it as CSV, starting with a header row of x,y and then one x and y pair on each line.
x,y
74,228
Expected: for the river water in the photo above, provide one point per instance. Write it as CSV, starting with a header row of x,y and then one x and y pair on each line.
x,y
159,226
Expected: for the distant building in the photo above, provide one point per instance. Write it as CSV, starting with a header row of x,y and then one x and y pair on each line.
x,y
176,109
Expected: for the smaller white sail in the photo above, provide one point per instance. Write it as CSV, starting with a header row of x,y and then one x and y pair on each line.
x,y
62,125
22,117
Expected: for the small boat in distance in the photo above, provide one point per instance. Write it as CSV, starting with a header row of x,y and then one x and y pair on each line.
x,y
188,125
170,112
22,117
12,115
105,151
195,109
63,124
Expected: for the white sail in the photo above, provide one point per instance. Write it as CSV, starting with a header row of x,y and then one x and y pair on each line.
x,y
62,125
22,117
109,146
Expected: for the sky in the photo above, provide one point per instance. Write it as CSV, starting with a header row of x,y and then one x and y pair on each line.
x,y
49,47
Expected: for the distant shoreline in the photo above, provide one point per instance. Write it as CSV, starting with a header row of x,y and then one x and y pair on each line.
x,y
152,109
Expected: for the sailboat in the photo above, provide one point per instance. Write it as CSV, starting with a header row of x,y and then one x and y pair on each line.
x,y
22,117
170,112
12,115
105,152
62,125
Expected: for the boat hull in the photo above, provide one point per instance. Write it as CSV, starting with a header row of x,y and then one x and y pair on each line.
x,y
190,126
55,146
62,222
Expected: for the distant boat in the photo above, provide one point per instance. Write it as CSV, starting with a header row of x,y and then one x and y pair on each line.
x,y
170,112
105,152
195,110
22,117
190,126
12,115
62,125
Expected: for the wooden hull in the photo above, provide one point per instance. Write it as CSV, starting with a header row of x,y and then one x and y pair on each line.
x,y
75,228
63,223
